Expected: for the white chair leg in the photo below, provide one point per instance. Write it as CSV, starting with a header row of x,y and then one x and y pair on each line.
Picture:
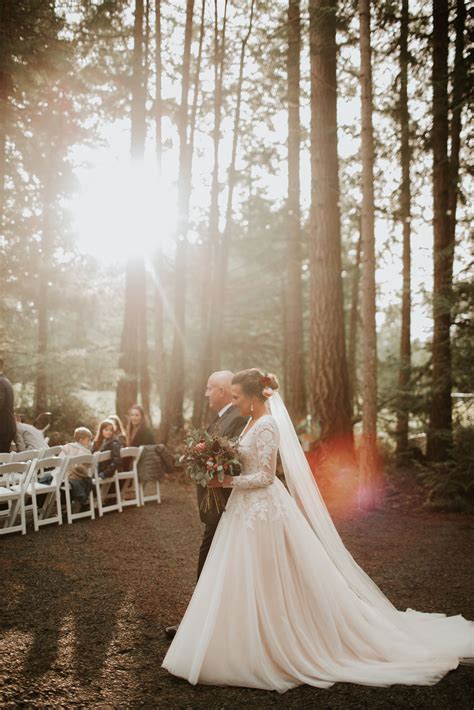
x,y
99,497
58,506
91,504
67,493
35,508
23,516
117,494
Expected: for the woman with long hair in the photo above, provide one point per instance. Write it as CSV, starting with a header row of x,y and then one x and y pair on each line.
x,y
139,431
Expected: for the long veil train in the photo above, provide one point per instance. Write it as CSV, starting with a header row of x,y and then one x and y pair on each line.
x,y
305,491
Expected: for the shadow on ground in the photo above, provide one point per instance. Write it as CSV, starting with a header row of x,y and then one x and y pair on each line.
x,y
84,609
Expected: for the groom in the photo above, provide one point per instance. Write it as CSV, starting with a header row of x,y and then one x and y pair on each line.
x,y
227,422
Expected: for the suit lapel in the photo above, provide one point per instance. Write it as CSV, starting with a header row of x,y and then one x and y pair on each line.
x,y
212,425
218,424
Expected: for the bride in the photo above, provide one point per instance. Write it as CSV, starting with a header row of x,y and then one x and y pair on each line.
x,y
280,601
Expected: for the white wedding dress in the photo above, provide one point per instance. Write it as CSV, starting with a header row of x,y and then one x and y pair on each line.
x,y
273,610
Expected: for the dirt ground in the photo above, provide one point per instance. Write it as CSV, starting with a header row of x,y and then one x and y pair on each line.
x,y
83,608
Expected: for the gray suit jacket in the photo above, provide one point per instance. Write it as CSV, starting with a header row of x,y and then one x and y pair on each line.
x,y
229,425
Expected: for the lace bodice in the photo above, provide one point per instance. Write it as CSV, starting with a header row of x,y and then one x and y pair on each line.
x,y
258,448
259,496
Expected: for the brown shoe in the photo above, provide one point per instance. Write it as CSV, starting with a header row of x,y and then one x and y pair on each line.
x,y
170,631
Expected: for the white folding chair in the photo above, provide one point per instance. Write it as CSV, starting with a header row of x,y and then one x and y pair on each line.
x,y
130,476
52,491
103,486
27,455
148,498
5,458
52,451
84,460
14,480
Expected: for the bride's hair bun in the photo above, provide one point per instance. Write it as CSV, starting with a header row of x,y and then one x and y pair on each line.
x,y
256,383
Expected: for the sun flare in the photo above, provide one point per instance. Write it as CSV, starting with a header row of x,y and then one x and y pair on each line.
x,y
122,211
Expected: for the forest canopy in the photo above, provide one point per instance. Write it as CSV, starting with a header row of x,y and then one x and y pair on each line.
x,y
192,186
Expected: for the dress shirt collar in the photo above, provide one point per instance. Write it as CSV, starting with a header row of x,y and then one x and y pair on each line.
x,y
222,411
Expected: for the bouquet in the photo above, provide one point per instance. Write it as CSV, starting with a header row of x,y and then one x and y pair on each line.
x,y
205,457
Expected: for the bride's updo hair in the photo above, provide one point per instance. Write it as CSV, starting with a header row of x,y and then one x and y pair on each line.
x,y
256,383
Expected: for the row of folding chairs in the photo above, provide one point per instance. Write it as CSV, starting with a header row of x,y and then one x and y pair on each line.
x,y
30,454
24,489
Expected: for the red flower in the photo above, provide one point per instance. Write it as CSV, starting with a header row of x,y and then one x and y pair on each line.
x,y
266,381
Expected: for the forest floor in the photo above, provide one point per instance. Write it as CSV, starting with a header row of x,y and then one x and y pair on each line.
x,y
84,606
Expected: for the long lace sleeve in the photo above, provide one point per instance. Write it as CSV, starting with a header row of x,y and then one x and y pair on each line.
x,y
266,444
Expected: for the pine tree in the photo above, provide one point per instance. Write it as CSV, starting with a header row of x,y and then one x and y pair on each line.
x,y
329,376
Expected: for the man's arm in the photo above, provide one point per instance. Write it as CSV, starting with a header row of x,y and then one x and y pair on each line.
x,y
3,395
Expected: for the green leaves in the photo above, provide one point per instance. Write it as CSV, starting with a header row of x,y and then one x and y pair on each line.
x,y
206,456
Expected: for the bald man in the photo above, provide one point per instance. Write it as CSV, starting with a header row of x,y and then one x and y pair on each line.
x,y
227,422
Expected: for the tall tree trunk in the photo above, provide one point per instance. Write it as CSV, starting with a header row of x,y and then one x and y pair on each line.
x,y
405,216
295,394
173,413
159,311
134,355
440,430
329,376
223,245
5,90
138,116
127,386
44,280
459,82
207,364
353,325
369,492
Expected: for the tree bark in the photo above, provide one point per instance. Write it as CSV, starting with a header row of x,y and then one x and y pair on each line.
x,y
405,216
44,277
224,240
353,325
133,359
127,386
206,360
159,311
369,488
295,394
173,412
5,90
329,376
138,116
440,429
459,82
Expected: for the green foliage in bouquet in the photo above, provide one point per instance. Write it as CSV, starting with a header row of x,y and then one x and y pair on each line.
x,y
206,456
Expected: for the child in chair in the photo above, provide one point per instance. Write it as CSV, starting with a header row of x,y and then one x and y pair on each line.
x,y
79,476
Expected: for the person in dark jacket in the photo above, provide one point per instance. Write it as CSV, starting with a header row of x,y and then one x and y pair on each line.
x,y
7,417
139,432
106,440
120,432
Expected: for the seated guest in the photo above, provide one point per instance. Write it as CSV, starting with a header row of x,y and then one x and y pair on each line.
x,y
79,476
43,421
28,436
139,432
7,418
120,432
106,440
